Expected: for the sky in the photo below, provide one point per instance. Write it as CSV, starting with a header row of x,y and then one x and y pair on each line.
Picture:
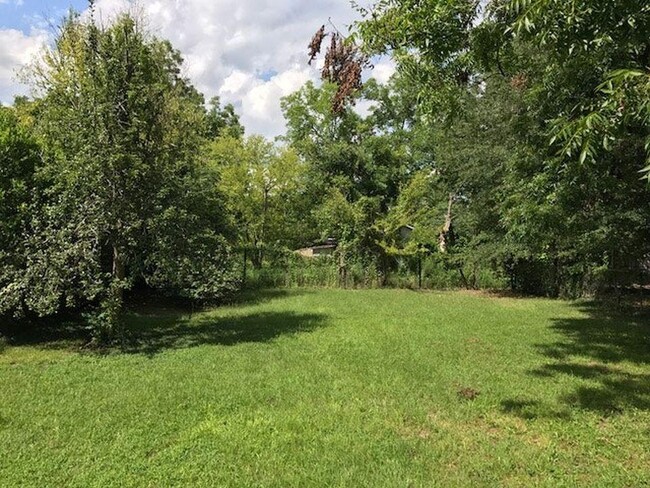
x,y
251,53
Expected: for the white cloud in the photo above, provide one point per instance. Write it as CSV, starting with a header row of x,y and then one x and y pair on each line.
x,y
383,70
16,50
364,107
261,103
236,84
249,52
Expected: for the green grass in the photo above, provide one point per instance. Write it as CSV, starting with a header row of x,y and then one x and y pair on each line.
x,y
337,388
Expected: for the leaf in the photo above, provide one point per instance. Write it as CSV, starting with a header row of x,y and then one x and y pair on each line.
x,y
583,155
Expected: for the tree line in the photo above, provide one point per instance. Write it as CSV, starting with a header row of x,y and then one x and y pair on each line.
x,y
512,141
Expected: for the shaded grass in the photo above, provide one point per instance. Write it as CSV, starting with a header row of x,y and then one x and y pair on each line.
x,y
337,388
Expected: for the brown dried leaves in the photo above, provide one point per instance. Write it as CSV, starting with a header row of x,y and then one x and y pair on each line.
x,y
343,65
315,44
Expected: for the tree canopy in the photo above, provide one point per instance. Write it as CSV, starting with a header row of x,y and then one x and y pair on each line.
x,y
509,149
122,197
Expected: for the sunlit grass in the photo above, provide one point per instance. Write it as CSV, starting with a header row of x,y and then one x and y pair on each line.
x,y
337,388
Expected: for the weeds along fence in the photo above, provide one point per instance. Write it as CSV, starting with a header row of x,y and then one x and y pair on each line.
x,y
288,270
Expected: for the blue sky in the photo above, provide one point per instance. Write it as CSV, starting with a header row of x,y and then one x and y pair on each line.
x,y
25,14
249,52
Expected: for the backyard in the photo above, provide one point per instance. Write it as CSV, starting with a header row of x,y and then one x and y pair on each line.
x,y
335,388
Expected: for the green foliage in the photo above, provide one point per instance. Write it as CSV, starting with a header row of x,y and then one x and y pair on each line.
x,y
121,197
222,121
19,159
357,156
356,164
535,117
421,205
264,187
608,38
430,40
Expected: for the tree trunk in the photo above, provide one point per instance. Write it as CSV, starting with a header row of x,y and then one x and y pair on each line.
x,y
444,237
343,272
265,211
111,314
119,273
256,254
243,281
464,278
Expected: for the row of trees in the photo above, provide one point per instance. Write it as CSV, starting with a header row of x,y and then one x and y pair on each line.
x,y
530,123
512,139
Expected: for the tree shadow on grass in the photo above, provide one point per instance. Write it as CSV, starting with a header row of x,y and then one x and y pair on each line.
x,y
153,326
151,301
152,334
531,409
607,352
55,334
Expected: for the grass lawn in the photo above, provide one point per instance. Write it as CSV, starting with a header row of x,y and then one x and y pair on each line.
x,y
337,388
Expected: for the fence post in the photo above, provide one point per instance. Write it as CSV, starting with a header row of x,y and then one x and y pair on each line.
x,y
243,282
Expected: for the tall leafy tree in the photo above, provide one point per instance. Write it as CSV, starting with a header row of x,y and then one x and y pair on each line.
x,y
359,156
264,187
125,196
497,82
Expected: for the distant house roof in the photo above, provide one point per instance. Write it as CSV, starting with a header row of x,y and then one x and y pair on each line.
x,y
326,247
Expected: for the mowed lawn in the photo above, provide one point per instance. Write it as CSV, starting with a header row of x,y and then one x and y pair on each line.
x,y
337,388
